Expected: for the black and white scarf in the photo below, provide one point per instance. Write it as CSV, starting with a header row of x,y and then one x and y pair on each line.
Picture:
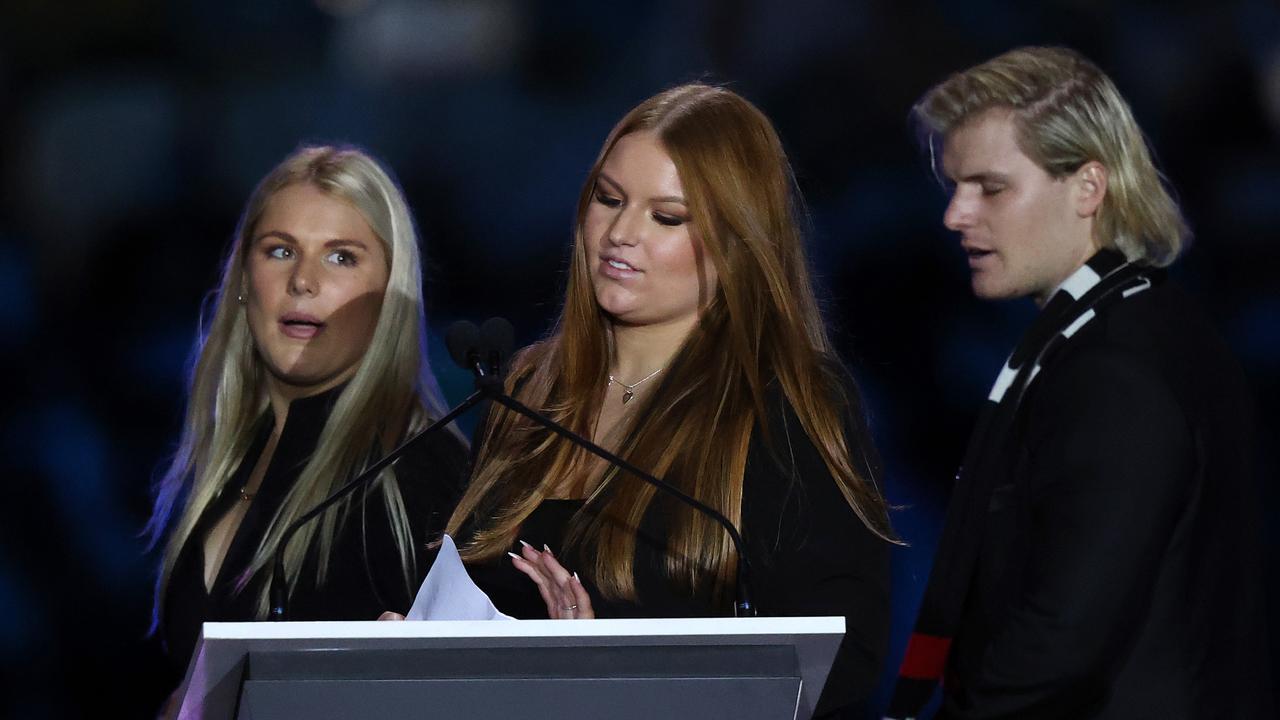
x,y
1104,280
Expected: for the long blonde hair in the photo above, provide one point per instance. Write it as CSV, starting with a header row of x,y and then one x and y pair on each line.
x,y
1068,112
391,394
695,429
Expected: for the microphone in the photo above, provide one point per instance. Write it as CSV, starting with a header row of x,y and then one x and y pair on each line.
x,y
493,342
463,341
461,337
484,350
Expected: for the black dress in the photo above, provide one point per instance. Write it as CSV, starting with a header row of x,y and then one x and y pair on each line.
x,y
364,576
809,555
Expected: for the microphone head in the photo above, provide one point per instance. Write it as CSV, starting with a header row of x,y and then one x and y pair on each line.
x,y
498,338
463,340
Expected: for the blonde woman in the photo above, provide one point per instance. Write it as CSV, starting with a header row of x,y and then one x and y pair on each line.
x,y
690,344
311,368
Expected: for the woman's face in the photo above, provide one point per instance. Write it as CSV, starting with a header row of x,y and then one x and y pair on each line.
x,y
646,257
316,276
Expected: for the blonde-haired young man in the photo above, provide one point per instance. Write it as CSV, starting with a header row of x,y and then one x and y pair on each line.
x,y
1100,554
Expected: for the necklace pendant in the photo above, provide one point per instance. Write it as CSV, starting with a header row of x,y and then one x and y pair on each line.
x,y
626,397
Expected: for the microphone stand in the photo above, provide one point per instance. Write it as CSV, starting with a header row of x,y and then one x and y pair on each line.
x,y
743,605
279,593
489,386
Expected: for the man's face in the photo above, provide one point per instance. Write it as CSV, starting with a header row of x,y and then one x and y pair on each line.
x,y
1023,230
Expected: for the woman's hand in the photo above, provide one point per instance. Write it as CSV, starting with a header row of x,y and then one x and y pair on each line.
x,y
388,615
561,590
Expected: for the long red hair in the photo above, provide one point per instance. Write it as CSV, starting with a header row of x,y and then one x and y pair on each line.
x,y
694,429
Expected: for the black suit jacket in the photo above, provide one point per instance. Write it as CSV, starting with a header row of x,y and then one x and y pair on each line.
x,y
1118,573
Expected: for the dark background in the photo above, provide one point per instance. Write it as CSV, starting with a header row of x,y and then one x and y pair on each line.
x,y
132,131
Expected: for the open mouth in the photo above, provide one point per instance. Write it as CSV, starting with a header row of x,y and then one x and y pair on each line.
x,y
296,325
617,269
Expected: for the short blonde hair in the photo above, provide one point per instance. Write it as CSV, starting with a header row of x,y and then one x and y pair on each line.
x,y
1068,112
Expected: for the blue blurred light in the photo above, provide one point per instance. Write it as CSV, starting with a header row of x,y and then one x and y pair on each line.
x,y
100,145
159,356
20,615
1255,334
73,453
17,297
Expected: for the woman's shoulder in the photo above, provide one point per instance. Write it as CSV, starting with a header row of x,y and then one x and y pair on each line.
x,y
530,358
789,491
829,382
435,468
784,454
443,450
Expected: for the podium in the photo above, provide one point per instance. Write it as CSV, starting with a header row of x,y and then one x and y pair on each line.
x,y
704,668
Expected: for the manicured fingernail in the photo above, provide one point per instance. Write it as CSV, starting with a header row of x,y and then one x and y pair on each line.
x,y
547,548
577,579
514,556
524,543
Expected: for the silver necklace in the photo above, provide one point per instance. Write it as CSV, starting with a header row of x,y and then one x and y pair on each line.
x,y
629,391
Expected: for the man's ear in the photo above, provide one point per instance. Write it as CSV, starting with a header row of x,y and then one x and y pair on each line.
x,y
1090,182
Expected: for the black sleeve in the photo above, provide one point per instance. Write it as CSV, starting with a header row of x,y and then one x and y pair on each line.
x,y
1111,465
812,555
431,479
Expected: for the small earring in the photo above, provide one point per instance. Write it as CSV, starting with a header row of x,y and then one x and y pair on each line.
x,y
240,299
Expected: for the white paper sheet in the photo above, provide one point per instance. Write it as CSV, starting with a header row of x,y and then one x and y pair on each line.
x,y
448,593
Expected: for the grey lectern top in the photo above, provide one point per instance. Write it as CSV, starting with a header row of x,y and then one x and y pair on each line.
x,y
704,668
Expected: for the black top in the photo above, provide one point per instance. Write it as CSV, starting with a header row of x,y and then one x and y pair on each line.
x,y
1118,570
365,576
809,555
